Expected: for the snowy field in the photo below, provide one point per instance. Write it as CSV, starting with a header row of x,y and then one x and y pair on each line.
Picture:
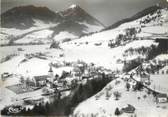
x,y
145,107
159,83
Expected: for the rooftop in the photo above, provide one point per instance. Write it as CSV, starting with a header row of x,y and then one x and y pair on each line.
x,y
42,77
162,95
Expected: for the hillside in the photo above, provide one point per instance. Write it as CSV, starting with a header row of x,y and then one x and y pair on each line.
x,y
104,103
147,11
22,24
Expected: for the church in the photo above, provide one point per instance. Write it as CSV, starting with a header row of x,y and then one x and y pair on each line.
x,y
44,80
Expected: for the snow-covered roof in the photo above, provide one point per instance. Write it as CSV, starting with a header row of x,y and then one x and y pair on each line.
x,y
40,78
73,6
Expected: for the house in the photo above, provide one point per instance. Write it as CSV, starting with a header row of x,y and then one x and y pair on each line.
x,y
40,80
129,109
144,77
76,72
86,75
98,75
5,75
110,75
161,98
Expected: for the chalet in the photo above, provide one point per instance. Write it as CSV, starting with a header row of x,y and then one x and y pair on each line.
x,y
40,80
5,75
164,70
144,77
98,75
161,98
86,75
129,109
76,72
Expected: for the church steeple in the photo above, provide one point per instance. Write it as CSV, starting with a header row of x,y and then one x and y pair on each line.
x,y
51,73
50,70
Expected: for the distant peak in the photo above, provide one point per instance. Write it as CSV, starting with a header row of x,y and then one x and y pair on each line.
x,y
73,6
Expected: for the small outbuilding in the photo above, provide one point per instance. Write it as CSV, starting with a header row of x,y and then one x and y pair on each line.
x,y
129,109
161,98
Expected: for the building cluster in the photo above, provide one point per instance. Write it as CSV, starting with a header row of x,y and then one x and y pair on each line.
x,y
67,79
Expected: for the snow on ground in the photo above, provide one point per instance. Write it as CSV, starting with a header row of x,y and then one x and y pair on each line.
x,y
91,28
37,26
34,67
101,55
159,83
98,37
155,29
145,107
140,43
64,35
8,50
136,23
12,65
6,95
8,33
41,69
75,50
162,57
40,36
143,34
3,38
73,6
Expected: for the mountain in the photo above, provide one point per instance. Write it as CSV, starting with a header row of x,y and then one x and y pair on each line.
x,y
22,22
78,22
22,17
147,11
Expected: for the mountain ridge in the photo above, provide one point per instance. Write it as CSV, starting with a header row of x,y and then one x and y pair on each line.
x,y
73,20
148,10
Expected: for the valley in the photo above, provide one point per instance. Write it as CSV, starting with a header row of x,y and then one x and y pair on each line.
x,y
119,71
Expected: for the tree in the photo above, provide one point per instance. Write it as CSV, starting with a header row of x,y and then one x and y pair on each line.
x,y
144,96
28,82
138,86
107,94
117,95
55,45
117,112
127,86
22,80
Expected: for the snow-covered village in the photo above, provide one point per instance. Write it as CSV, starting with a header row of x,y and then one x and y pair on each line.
x,y
68,63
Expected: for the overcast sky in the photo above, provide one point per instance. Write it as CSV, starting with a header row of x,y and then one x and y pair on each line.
x,y
106,11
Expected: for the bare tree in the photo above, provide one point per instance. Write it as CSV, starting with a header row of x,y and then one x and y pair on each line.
x,y
127,86
117,95
22,80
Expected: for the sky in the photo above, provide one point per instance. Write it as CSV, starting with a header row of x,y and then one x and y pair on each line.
x,y
106,11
